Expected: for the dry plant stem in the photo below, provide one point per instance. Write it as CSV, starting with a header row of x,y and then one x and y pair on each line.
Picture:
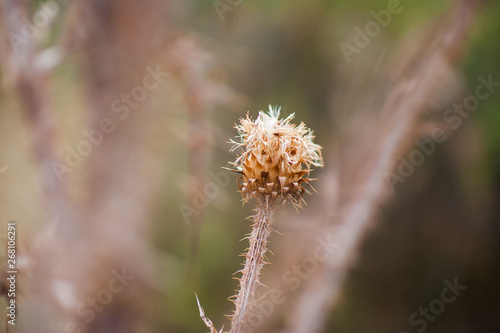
x,y
274,163
321,293
255,260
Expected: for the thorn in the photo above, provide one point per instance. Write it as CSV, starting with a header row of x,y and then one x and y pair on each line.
x,y
260,284
202,313
237,171
269,187
302,173
307,182
208,323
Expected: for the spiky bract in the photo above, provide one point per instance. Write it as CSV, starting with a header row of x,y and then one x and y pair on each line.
x,y
277,156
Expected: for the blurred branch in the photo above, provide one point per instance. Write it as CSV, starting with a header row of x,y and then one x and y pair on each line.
x,y
188,60
103,233
196,67
403,106
31,85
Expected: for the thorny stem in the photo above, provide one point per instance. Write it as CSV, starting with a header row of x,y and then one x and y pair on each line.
x,y
277,158
255,260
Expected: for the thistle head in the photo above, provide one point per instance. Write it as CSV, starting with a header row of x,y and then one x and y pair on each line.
x,y
277,157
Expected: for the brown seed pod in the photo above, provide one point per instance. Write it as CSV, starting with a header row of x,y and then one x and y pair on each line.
x,y
277,157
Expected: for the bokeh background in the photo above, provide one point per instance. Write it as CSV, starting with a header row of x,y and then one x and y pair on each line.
x,y
153,196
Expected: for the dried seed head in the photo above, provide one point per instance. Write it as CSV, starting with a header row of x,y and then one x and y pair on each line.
x,y
277,156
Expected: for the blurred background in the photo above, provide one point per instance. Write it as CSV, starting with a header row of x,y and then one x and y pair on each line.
x,y
116,116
